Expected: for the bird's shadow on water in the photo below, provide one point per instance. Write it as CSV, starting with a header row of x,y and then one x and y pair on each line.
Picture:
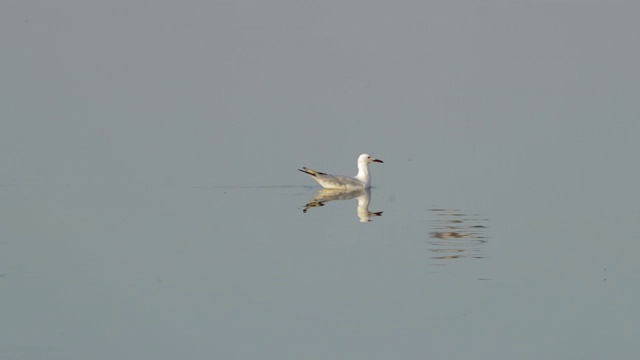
x,y
324,196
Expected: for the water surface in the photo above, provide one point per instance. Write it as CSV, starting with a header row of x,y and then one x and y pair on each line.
x,y
151,207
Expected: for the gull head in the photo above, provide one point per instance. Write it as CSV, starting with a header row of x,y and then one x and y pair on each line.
x,y
365,159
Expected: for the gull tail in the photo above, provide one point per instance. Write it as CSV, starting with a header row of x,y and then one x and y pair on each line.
x,y
311,172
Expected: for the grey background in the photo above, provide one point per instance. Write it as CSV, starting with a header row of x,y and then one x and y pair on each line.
x,y
151,208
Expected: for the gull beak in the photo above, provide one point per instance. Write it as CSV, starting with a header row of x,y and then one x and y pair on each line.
x,y
377,160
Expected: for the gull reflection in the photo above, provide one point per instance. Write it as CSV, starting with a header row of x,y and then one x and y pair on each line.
x,y
363,197
457,235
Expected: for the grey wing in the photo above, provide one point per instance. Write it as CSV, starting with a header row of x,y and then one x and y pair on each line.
x,y
332,181
337,181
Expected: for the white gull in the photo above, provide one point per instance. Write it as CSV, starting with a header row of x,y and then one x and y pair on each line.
x,y
361,181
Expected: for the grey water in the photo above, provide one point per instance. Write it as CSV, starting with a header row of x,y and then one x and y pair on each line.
x,y
150,206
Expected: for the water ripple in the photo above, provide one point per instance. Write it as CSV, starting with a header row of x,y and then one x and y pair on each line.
x,y
457,235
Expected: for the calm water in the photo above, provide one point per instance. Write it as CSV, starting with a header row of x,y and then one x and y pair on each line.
x,y
151,207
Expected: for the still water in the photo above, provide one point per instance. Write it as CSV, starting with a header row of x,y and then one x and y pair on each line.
x,y
151,207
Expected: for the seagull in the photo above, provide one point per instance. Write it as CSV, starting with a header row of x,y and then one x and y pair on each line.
x,y
361,181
